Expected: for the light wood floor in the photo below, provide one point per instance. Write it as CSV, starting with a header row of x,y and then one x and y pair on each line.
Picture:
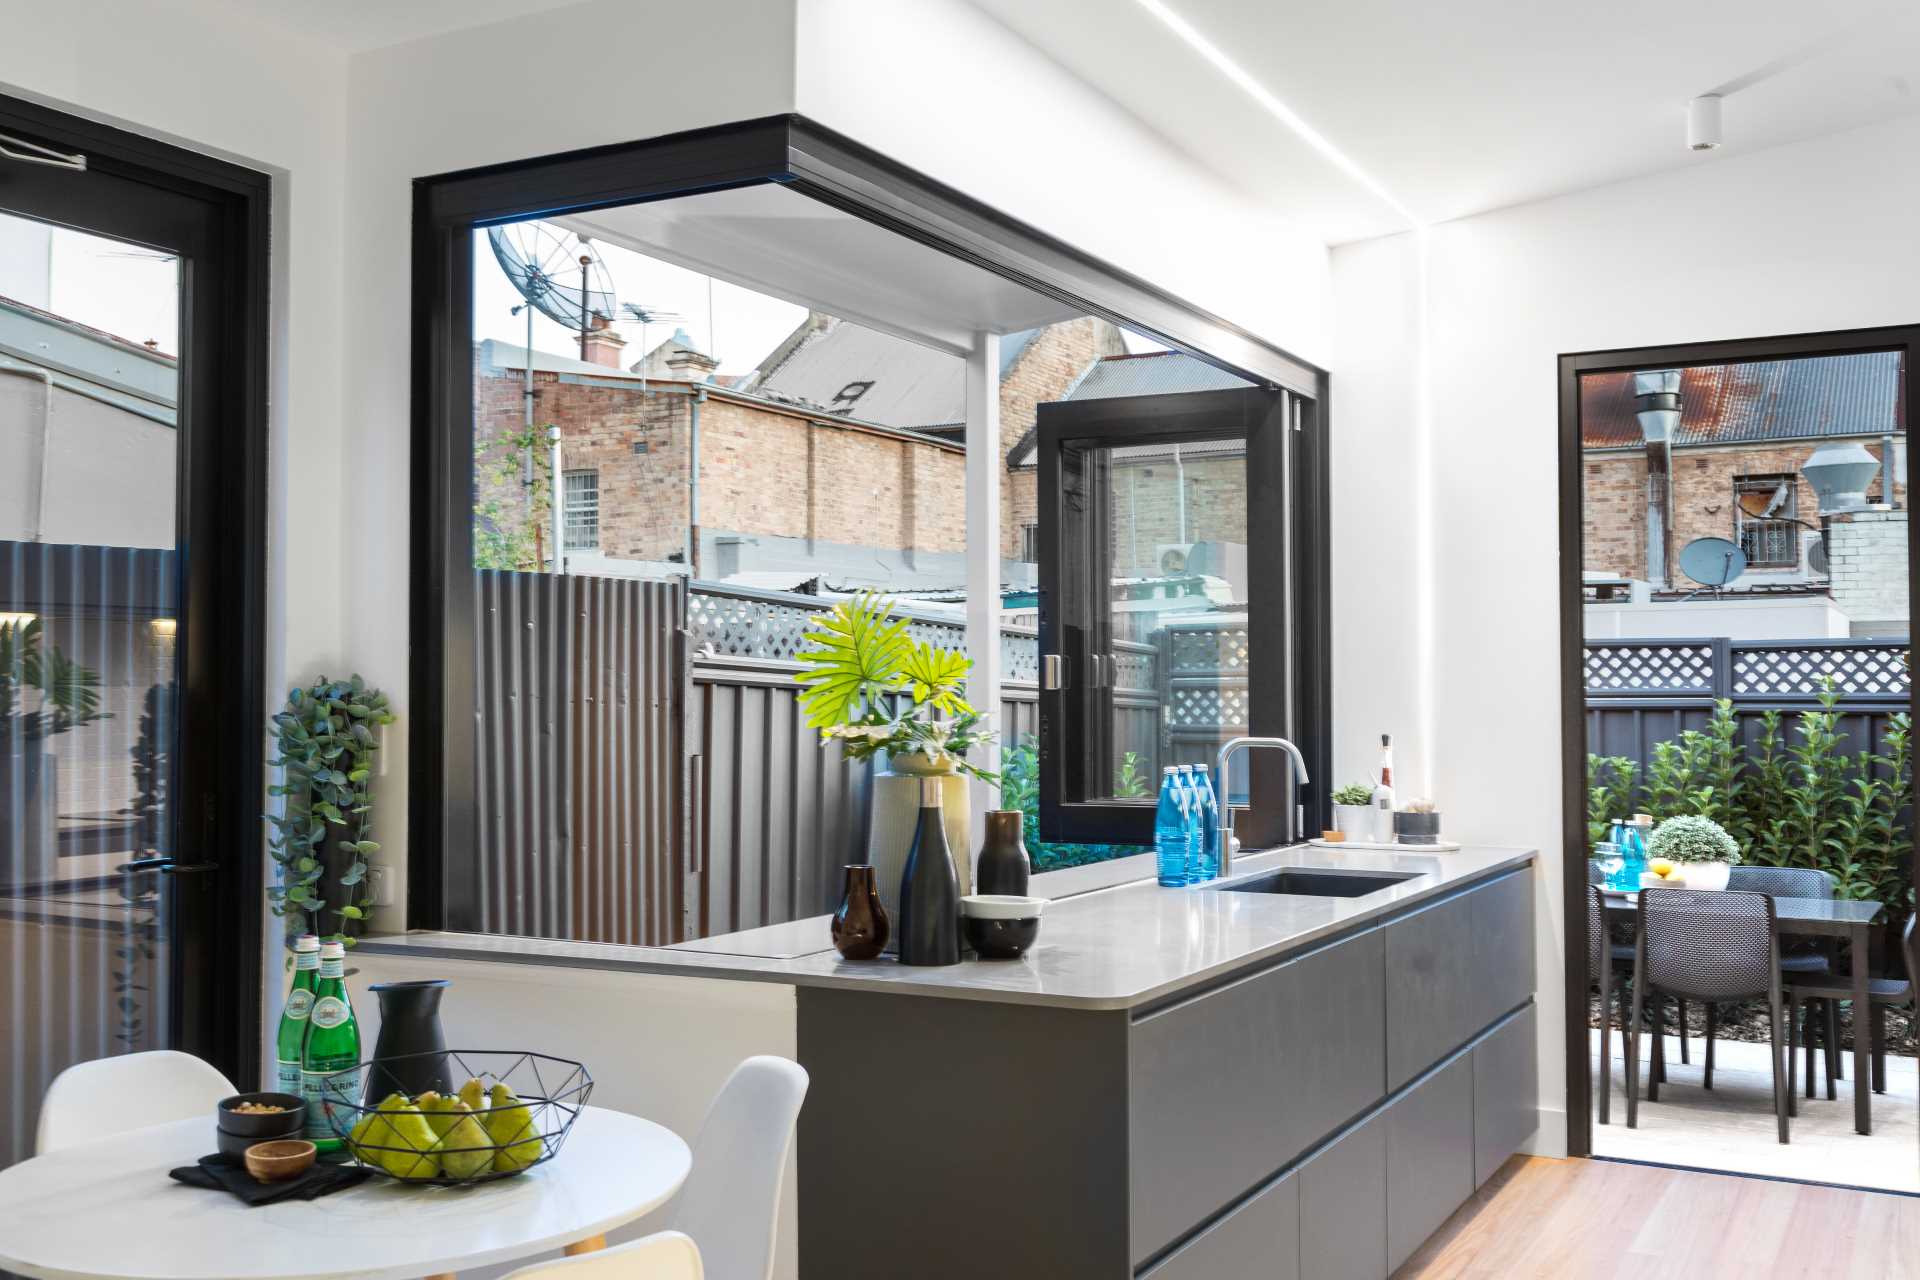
x,y
1587,1219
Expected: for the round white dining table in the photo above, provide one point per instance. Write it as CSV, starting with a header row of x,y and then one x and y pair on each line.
x,y
106,1210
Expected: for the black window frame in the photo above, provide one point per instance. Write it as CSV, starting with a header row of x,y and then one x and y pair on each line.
x,y
787,149
1287,616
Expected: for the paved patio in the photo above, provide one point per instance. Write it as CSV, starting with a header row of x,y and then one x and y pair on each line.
x,y
1732,1128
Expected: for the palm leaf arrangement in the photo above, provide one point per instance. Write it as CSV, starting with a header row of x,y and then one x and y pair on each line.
x,y
873,688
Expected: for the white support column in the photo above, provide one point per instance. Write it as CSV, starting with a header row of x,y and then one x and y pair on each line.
x,y
984,466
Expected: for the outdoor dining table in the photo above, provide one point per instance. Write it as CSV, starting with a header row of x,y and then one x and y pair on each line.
x,y
1818,917
106,1210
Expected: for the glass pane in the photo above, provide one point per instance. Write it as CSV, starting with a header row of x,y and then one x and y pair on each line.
x,y
1166,676
88,588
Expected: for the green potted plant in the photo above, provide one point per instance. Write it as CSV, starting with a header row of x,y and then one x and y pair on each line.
x,y
1702,852
43,694
1353,811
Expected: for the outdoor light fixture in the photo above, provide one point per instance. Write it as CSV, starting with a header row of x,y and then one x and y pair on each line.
x,y
1840,474
1703,122
1657,404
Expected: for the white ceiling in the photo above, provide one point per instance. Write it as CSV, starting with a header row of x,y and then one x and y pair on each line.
x,y
1471,105
358,25
788,246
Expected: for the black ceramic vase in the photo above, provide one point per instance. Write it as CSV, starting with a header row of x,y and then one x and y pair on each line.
x,y
410,1055
860,924
930,889
1003,865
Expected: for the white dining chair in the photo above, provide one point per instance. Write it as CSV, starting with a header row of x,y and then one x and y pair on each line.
x,y
668,1255
111,1095
730,1204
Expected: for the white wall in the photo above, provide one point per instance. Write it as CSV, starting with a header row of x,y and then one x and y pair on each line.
x,y
486,95
940,86
1807,237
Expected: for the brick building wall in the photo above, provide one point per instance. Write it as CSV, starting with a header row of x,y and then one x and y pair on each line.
x,y
1050,366
1869,560
763,470
1614,515
1147,514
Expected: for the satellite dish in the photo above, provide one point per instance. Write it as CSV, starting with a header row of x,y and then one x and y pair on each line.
x,y
1712,562
557,272
1817,555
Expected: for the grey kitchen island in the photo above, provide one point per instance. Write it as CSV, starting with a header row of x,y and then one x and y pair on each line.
x,y
1178,1083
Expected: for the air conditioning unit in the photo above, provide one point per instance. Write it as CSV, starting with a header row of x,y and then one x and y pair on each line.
x,y
1173,556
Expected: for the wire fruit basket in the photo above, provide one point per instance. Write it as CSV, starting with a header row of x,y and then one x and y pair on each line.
x,y
491,1113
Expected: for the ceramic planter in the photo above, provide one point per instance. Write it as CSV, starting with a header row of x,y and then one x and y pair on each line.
x,y
1711,876
1355,820
1416,828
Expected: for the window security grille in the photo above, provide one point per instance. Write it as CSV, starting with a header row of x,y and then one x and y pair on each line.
x,y
582,495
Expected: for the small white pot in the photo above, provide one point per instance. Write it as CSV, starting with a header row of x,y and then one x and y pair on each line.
x,y
1711,876
1356,820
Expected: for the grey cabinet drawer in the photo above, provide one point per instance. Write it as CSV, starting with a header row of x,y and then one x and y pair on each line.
x,y
1454,967
1343,1207
1258,1241
1502,945
1429,1157
1506,1093
1229,1087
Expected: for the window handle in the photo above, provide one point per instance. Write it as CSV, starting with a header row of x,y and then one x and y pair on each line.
x,y
12,148
168,866
1053,671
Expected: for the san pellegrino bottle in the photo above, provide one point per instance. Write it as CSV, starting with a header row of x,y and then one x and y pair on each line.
x,y
1209,866
291,1042
332,1045
1170,830
1196,825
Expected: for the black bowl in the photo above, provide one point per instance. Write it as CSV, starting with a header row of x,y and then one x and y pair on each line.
x,y
1000,939
260,1127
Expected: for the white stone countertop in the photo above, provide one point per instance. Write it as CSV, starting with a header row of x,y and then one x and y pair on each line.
x,y
1112,948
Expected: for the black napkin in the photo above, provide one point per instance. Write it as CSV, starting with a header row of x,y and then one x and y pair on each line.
x,y
222,1173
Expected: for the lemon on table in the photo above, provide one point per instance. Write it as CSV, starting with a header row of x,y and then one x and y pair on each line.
x,y
1661,867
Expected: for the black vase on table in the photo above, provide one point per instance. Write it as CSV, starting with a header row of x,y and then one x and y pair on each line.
x,y
930,889
1003,865
860,924
410,1055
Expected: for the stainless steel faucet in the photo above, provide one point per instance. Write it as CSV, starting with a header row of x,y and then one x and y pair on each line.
x,y
1226,810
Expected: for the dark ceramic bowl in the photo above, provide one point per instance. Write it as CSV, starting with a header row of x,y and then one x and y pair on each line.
x,y
260,1127
1000,926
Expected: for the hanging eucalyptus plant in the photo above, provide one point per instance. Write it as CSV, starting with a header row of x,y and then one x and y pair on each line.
x,y
326,739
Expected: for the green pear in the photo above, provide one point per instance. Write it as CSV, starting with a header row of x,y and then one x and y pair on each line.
x,y
511,1125
411,1155
438,1108
373,1131
464,1149
474,1094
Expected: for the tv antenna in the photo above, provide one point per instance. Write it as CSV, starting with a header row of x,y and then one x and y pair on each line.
x,y
644,316
1712,562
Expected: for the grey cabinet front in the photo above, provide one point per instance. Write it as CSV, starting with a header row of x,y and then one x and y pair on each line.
x,y
1229,1087
1454,967
1429,1157
1343,1207
1258,1241
1506,1093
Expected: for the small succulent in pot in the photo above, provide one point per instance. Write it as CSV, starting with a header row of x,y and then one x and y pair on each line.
x,y
1354,793
1692,838
1353,811
1418,823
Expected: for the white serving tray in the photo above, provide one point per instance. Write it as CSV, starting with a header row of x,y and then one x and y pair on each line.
x,y
1438,846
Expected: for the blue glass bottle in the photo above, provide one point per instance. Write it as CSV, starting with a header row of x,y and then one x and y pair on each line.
x,y
1170,830
1209,823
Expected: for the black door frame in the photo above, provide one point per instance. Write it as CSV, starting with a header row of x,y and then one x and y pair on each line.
x,y
1573,721
787,149
216,216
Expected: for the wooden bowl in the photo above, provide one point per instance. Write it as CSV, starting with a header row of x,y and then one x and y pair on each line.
x,y
278,1161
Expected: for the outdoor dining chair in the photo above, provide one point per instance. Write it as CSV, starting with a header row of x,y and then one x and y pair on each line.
x,y
1608,964
1882,994
1797,959
1713,947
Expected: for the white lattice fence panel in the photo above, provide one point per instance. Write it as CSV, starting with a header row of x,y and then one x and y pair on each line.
x,y
1800,671
1654,667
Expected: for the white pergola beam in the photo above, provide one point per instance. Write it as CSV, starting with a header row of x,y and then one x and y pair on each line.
x,y
983,553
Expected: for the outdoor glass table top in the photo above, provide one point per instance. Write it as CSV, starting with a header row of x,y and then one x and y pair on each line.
x,y
1792,915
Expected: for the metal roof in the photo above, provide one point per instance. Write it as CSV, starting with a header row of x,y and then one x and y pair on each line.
x,y
1814,398
1152,373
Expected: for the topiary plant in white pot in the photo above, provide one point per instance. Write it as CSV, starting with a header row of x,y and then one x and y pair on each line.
x,y
1701,850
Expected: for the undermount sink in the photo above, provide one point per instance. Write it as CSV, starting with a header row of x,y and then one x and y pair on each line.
x,y
1307,882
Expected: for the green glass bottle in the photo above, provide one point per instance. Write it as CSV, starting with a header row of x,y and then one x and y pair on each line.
x,y
291,1043
333,1044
